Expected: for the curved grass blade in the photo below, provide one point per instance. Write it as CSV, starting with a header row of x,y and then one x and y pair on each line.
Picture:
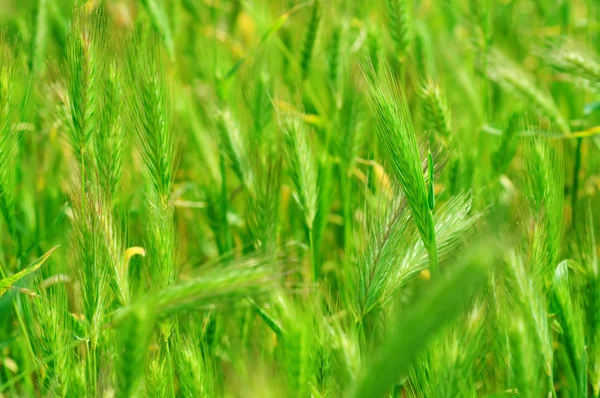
x,y
8,282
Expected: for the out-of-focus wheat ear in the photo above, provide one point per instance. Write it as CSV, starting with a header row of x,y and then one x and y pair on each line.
x,y
545,184
522,359
298,338
262,107
160,20
514,79
325,198
573,61
310,38
297,349
400,25
234,13
304,174
333,57
49,328
509,143
220,286
373,49
39,38
396,135
14,90
570,318
351,133
132,343
263,201
194,371
303,168
586,243
423,53
531,306
233,143
434,110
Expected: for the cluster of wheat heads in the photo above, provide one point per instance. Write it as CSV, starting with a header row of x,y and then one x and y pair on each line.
x,y
322,198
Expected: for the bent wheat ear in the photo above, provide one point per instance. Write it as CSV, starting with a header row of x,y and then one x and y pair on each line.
x,y
514,79
397,137
573,61
248,277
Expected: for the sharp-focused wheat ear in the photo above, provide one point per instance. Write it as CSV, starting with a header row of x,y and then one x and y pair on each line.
x,y
396,135
149,113
86,76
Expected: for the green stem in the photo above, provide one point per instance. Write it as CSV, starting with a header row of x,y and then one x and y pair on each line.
x,y
171,367
434,265
347,204
403,74
576,169
82,152
91,367
314,256
227,239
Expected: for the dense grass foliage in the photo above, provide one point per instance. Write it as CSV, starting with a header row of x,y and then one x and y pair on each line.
x,y
254,198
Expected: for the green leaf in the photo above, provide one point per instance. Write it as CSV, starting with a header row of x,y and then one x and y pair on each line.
x,y
7,283
430,188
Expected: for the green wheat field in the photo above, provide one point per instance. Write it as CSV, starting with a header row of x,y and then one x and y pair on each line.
x,y
289,198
